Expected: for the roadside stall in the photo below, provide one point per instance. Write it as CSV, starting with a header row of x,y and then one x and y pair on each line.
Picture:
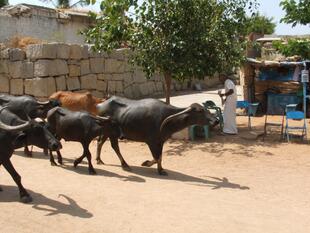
x,y
281,88
273,84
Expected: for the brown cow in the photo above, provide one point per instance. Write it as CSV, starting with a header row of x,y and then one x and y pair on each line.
x,y
77,101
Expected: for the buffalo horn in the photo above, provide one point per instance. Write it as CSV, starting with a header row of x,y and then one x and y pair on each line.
x,y
173,116
10,128
43,102
195,106
100,118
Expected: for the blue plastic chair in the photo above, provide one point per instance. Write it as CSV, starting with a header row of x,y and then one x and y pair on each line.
x,y
242,104
251,109
295,115
205,128
286,108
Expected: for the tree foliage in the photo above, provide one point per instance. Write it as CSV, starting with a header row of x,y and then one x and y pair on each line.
x,y
293,47
179,38
260,24
296,12
3,3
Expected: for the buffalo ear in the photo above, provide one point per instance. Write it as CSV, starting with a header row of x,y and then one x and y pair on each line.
x,y
20,140
55,102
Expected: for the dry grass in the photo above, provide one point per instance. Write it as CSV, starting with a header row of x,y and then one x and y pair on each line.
x,y
78,10
22,42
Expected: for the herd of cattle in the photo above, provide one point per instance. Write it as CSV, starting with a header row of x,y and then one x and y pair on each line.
x,y
81,117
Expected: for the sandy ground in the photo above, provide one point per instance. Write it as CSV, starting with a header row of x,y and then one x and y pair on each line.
x,y
227,184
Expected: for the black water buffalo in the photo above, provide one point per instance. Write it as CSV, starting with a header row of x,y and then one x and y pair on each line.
x,y
81,127
13,137
38,135
151,121
24,106
27,106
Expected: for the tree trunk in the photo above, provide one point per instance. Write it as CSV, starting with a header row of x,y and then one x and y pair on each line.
x,y
168,79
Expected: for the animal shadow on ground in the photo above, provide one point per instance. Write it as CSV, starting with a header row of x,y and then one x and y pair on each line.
x,y
213,182
43,203
82,168
220,145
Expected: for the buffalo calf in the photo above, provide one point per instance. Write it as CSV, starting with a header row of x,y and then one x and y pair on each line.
x,y
81,127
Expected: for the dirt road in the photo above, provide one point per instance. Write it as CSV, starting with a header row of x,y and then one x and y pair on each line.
x,y
228,184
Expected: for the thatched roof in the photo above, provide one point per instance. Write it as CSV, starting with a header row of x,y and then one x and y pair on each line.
x,y
258,63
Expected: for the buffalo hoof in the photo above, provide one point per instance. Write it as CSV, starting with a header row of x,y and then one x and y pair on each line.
x,y
126,167
75,163
60,161
99,161
53,163
162,173
147,163
26,199
92,172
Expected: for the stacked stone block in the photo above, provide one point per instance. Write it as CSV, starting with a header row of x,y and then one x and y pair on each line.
x,y
42,69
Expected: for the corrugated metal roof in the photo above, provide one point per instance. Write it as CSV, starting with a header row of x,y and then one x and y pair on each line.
x,y
266,39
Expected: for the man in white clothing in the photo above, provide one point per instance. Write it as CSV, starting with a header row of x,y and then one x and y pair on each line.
x,y
229,115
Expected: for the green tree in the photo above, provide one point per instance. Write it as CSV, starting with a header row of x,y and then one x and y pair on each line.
x,y
293,47
3,3
260,24
66,4
296,12
179,38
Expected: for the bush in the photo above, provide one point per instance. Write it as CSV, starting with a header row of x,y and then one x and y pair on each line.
x,y
300,47
3,3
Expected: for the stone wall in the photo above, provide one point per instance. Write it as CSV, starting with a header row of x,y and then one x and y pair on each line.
x,y
43,69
